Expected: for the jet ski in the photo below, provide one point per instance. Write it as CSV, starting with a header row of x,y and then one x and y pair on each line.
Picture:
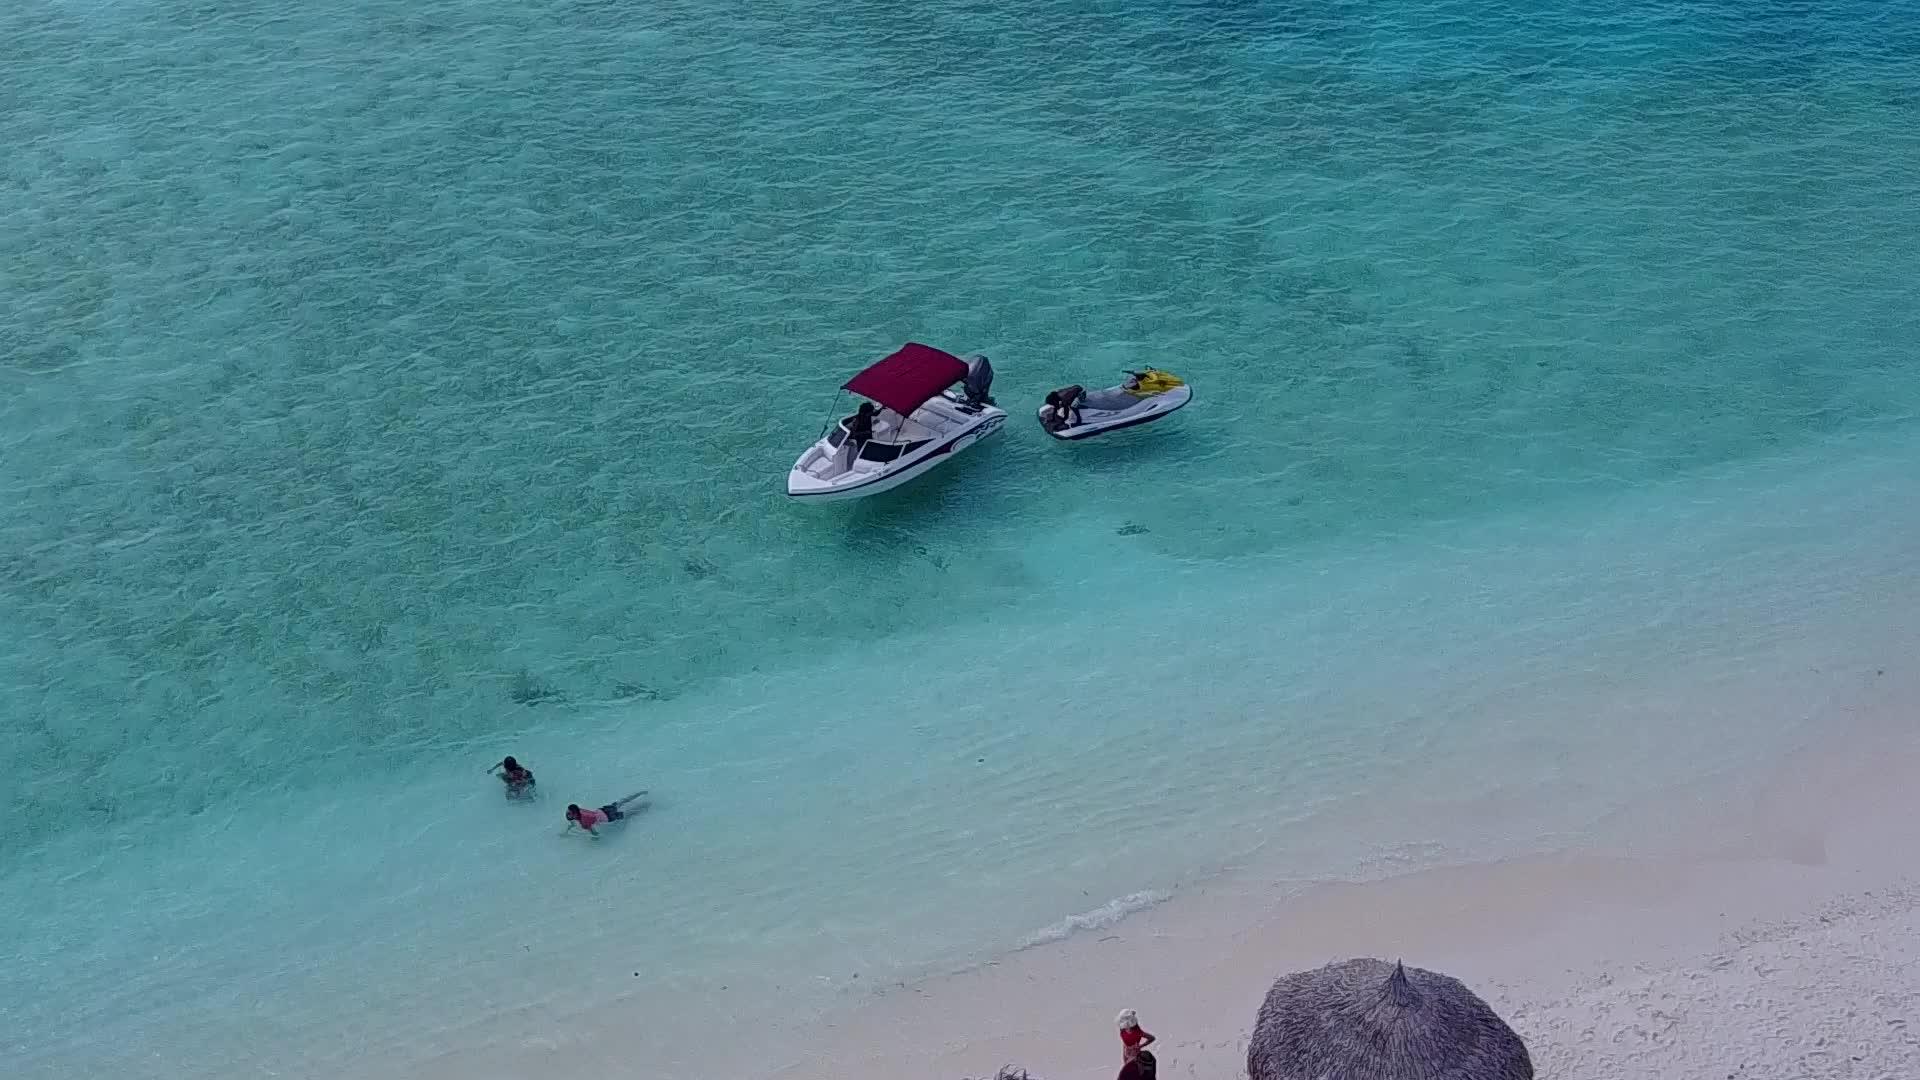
x,y
1073,413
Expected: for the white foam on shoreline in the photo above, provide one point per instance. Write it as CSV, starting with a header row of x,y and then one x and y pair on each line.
x,y
1106,915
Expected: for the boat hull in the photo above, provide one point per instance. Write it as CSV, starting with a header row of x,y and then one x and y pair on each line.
x,y
804,486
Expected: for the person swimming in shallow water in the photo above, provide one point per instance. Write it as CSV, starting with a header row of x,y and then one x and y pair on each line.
x,y
517,777
587,819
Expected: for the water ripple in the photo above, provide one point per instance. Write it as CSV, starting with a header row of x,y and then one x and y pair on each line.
x,y
358,360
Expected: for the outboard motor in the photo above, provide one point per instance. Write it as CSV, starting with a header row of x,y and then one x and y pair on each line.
x,y
978,385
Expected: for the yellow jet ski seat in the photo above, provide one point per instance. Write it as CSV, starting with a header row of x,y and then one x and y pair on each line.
x,y
1153,381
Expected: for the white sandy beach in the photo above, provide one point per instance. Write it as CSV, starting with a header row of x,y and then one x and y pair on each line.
x,y
1768,937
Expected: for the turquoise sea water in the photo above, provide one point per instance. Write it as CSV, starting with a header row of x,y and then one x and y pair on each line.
x,y
389,387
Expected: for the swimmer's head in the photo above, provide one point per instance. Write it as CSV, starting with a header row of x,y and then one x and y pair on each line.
x,y
509,764
1127,1019
573,812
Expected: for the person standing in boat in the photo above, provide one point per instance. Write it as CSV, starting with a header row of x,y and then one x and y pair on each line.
x,y
860,430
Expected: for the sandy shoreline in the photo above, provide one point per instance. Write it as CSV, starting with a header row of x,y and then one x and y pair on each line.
x,y
1779,941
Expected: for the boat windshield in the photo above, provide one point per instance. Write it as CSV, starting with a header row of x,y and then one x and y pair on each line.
x,y
886,451
878,448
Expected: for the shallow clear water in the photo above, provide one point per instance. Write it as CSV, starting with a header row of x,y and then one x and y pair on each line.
x,y
389,387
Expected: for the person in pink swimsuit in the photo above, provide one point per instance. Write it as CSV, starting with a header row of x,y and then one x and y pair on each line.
x,y
588,819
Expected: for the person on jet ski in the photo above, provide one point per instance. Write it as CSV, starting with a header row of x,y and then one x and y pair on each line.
x,y
1066,405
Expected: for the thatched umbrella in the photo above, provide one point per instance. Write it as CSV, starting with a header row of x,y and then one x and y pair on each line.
x,y
1370,1020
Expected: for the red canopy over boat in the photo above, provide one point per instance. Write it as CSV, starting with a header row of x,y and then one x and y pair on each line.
x,y
904,381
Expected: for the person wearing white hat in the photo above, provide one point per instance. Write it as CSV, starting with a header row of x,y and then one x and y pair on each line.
x,y
1133,1037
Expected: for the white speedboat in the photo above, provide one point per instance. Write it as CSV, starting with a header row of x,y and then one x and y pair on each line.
x,y
1072,413
922,421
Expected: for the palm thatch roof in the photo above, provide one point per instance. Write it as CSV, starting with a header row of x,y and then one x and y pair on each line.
x,y
1371,1020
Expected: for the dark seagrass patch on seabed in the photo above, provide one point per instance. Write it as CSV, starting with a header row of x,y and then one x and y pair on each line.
x,y
531,689
637,691
1132,528
44,358
1417,359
